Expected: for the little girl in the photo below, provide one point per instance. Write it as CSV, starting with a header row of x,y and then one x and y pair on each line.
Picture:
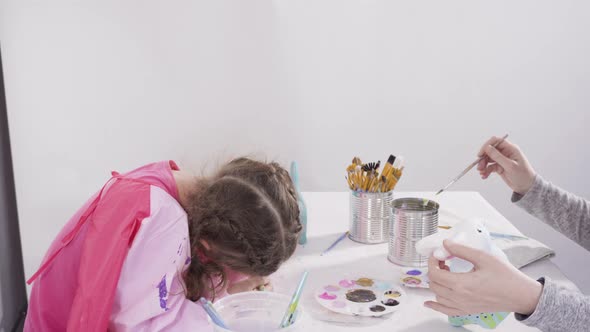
x,y
140,252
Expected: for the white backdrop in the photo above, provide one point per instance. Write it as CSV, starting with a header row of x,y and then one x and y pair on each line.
x,y
100,85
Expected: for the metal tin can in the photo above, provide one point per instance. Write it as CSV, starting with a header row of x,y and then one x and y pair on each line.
x,y
413,219
370,216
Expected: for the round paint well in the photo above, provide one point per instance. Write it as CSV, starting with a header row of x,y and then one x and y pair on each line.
x,y
390,302
346,283
377,308
327,296
332,288
338,304
392,294
361,295
365,282
412,281
414,272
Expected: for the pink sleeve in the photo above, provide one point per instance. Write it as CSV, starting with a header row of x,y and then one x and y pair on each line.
x,y
150,294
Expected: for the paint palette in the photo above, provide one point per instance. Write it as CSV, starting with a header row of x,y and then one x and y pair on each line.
x,y
361,296
415,278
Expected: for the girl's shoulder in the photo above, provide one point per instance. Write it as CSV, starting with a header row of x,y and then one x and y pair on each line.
x,y
164,206
157,174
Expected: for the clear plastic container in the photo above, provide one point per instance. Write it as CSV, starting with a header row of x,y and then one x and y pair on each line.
x,y
256,312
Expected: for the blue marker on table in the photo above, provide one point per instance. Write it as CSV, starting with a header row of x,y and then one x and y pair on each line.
x,y
340,238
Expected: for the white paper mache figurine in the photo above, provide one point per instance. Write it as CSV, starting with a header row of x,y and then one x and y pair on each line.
x,y
474,234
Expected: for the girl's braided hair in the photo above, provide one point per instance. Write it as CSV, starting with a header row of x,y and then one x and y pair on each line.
x,y
249,216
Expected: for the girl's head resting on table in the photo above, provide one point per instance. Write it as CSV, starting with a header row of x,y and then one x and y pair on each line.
x,y
245,218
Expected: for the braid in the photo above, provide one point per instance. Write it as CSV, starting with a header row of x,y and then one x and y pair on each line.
x,y
207,272
251,256
248,217
284,177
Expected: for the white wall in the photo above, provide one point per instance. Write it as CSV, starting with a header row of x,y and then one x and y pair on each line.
x,y
95,87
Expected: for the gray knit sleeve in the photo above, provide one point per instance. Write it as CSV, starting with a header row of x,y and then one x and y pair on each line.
x,y
559,309
565,212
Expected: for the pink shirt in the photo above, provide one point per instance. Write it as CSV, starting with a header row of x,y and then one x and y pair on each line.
x,y
134,229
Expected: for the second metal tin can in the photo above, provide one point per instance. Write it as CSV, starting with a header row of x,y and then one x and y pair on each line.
x,y
413,219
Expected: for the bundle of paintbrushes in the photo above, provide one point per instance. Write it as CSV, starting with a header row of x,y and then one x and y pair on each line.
x,y
367,178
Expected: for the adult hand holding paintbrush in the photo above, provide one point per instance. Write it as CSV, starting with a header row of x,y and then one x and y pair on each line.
x,y
505,158
480,160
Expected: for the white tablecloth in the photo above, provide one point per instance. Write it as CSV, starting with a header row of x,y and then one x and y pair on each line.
x,y
328,218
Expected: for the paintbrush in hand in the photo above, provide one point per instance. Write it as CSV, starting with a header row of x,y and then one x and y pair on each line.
x,y
469,167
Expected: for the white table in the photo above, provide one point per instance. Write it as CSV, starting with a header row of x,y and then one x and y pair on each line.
x,y
328,218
